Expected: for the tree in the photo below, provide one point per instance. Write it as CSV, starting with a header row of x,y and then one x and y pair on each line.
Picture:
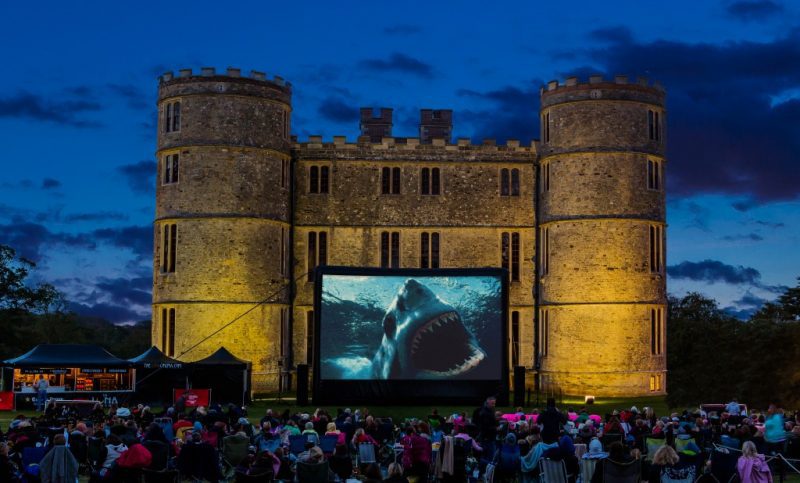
x,y
15,294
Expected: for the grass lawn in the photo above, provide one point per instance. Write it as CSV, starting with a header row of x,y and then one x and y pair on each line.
x,y
257,408
601,406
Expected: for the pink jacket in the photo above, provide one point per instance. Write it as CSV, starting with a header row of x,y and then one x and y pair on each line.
x,y
753,470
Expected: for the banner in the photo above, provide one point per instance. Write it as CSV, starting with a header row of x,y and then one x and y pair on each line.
x,y
6,401
193,397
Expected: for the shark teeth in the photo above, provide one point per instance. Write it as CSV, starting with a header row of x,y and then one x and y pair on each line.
x,y
468,364
431,326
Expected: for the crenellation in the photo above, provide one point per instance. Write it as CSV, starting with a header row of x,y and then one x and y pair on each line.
x,y
233,72
258,75
208,71
185,72
595,79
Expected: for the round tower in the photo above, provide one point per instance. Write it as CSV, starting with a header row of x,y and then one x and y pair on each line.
x,y
601,273
223,219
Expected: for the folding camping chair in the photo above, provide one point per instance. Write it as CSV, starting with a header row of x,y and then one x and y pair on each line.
x,y
615,472
723,464
366,453
297,444
327,443
553,471
312,473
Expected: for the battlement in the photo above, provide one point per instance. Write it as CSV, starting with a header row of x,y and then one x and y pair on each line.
x,y
230,73
596,81
412,144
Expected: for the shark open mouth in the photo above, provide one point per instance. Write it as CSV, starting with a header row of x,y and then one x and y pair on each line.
x,y
443,347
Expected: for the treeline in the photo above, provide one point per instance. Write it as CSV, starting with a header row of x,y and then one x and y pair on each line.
x,y
712,357
31,315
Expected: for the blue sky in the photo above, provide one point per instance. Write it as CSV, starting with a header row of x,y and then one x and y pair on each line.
x,y
77,122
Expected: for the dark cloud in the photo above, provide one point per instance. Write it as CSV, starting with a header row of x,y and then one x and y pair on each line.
x,y
715,271
741,314
141,176
95,216
138,239
136,291
743,206
750,300
770,224
34,240
398,62
402,30
746,237
24,184
610,34
733,127
511,113
337,110
30,239
748,10
25,105
133,96
111,312
50,183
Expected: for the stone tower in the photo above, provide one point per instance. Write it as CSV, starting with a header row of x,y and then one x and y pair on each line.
x,y
223,218
601,238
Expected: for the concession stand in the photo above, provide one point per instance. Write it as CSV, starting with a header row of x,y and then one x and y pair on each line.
x,y
74,372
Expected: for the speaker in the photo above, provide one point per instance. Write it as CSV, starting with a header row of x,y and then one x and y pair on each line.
x,y
302,384
519,386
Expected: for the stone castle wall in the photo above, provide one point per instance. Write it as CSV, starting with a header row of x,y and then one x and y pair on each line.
x,y
243,202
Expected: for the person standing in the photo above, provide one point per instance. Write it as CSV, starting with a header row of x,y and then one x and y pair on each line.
x,y
41,393
486,422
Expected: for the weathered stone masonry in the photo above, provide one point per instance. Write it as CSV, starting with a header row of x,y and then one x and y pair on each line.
x,y
244,208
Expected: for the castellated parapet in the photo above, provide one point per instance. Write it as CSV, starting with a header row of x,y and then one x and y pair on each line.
x,y
251,206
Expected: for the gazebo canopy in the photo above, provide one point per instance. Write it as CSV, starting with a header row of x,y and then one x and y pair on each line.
x,y
153,358
67,355
222,358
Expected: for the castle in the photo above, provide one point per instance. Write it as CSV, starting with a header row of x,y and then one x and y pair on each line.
x,y
245,212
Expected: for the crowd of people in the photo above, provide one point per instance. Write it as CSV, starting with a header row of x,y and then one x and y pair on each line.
x,y
222,444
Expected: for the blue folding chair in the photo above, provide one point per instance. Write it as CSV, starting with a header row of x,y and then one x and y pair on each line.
x,y
297,444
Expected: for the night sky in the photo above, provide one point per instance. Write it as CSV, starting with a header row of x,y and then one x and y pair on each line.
x,y
77,114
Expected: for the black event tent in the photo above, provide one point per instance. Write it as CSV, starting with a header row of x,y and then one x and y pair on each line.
x,y
157,375
67,355
227,376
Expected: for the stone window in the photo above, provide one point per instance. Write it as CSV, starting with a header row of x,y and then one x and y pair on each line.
x,y
544,332
169,247
318,179
172,117
514,338
545,177
284,173
285,123
430,182
429,250
390,181
510,254
656,248
285,377
653,174
310,338
170,168
654,125
509,182
655,382
544,251
546,127
168,331
390,249
283,252
317,251
656,331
